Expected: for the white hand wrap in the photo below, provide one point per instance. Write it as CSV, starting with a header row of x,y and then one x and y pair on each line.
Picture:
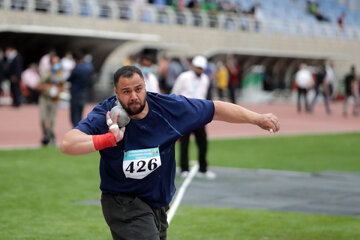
x,y
109,122
114,126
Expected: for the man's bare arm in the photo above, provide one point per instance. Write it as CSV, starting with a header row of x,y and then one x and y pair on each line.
x,y
76,142
233,113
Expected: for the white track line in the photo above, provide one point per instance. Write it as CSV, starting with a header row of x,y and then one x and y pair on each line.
x,y
181,192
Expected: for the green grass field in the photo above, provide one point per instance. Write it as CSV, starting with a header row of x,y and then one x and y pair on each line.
x,y
39,189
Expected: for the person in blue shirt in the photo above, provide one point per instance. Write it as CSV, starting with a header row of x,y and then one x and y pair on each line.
x,y
80,79
137,161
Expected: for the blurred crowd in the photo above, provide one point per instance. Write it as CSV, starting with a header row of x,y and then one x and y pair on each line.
x,y
321,79
228,79
46,82
225,75
68,78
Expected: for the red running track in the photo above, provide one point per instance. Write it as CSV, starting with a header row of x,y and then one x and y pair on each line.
x,y
20,127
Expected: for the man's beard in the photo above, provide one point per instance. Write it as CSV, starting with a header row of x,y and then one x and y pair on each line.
x,y
136,111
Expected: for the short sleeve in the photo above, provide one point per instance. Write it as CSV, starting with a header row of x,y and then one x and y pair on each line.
x,y
95,122
187,114
198,112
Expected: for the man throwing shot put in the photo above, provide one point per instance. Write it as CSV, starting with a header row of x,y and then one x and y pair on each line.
x,y
137,162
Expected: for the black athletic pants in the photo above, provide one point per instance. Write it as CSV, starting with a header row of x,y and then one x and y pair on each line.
x,y
130,218
201,141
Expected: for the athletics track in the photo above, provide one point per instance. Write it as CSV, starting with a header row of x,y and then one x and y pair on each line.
x,y
20,127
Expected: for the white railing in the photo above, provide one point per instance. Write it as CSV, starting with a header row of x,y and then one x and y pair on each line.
x,y
127,10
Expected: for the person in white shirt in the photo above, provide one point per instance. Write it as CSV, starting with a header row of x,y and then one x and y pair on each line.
x,y
194,84
304,81
330,77
44,63
151,81
30,80
67,64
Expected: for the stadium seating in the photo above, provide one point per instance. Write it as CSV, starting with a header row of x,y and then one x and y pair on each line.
x,y
280,16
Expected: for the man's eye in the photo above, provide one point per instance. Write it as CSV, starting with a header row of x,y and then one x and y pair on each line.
x,y
126,92
138,89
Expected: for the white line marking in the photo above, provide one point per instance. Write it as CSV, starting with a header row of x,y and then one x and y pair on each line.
x,y
181,192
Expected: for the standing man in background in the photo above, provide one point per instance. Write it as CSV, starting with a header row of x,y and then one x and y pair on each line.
x,y
175,68
80,79
13,70
2,68
234,79
351,90
67,64
304,82
50,86
222,80
321,87
194,84
330,76
151,81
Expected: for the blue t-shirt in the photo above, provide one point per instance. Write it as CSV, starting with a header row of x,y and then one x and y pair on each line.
x,y
169,118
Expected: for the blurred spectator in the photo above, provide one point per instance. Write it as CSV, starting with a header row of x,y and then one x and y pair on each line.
x,y
267,80
341,20
304,81
222,79
151,81
321,87
50,87
44,63
2,69
194,6
29,83
351,90
174,70
163,65
313,9
234,82
130,60
258,16
194,84
210,71
13,70
67,64
211,8
80,79
330,77
88,58
178,6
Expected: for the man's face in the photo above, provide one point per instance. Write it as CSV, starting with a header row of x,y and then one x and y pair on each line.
x,y
131,94
198,71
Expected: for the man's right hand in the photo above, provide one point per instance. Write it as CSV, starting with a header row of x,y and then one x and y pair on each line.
x,y
114,127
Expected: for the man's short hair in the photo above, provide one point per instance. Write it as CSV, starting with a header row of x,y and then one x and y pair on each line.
x,y
126,72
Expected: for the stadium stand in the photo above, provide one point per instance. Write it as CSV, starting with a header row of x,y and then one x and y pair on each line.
x,y
281,37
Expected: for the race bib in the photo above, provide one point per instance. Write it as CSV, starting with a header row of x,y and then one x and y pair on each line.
x,y
140,163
